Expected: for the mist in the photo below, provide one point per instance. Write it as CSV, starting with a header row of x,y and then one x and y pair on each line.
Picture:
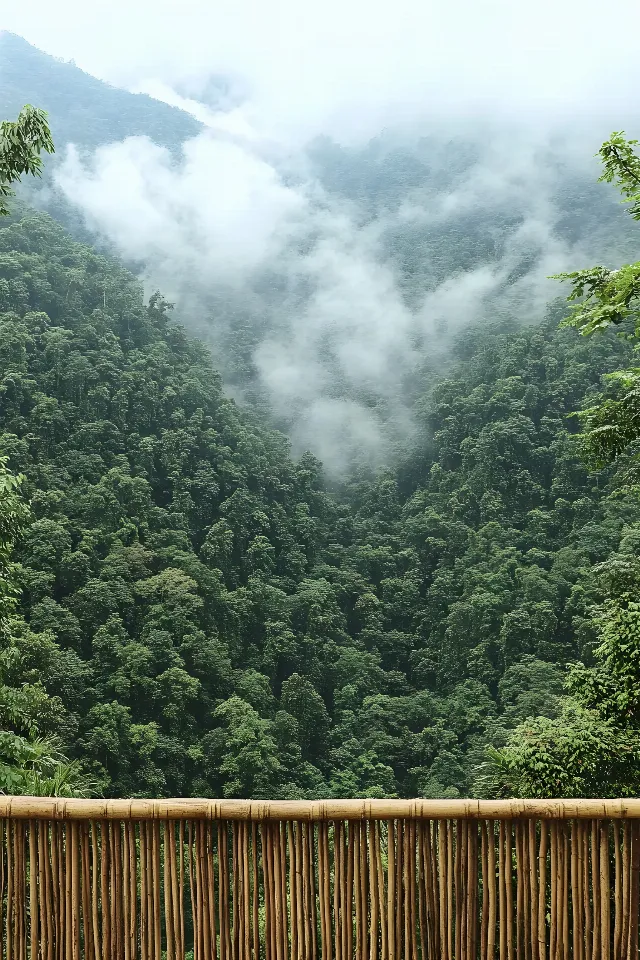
x,y
370,181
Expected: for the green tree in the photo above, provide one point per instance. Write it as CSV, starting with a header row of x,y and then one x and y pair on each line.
x,y
593,747
31,762
604,297
21,143
13,515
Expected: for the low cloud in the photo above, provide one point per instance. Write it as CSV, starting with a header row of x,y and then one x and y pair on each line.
x,y
245,235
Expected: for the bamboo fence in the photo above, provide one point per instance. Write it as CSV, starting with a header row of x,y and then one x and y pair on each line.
x,y
337,880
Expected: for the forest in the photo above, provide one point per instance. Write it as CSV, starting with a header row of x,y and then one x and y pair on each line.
x,y
190,609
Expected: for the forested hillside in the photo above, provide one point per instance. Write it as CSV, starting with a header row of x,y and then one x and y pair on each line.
x,y
214,622
82,109
204,611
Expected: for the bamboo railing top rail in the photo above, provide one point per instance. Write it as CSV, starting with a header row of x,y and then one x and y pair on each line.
x,y
315,811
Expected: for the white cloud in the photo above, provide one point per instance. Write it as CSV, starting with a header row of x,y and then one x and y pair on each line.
x,y
338,338
351,65
223,213
241,228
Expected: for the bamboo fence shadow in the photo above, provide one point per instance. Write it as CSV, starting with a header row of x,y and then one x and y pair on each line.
x,y
340,880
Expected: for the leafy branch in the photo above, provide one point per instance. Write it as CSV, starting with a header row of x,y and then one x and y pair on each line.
x,y
21,144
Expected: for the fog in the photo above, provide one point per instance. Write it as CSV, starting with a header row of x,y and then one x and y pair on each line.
x,y
249,230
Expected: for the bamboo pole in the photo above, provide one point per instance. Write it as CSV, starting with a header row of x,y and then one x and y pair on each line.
x,y
325,937
384,939
542,891
175,898
406,911
412,879
617,923
105,914
209,887
337,890
75,891
430,871
595,886
68,887
349,901
282,851
192,891
246,892
554,877
10,880
366,891
235,883
605,894
255,892
560,946
304,935
509,883
502,877
364,887
312,890
520,924
422,893
4,844
529,875
294,886
626,887
457,885
450,868
399,835
33,890
223,854
391,886
578,903
634,892
168,893
68,891
46,918
45,808
464,907
266,873
121,877
55,891
491,881
565,892
533,890
472,887
484,917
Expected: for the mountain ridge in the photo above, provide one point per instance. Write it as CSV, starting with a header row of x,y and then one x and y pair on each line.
x,y
83,109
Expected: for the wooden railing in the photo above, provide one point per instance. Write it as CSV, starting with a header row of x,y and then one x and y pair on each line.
x,y
341,880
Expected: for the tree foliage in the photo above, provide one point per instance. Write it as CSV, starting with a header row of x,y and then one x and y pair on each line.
x,y
21,144
593,748
186,609
211,620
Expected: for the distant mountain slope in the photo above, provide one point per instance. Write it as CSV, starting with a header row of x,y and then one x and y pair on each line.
x,y
82,109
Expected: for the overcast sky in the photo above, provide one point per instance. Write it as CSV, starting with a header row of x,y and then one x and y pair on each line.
x,y
311,64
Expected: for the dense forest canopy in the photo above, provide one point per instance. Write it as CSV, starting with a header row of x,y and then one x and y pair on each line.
x,y
202,613
329,281
214,623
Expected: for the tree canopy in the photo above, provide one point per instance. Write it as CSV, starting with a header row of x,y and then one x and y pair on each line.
x,y
215,621
186,609
593,747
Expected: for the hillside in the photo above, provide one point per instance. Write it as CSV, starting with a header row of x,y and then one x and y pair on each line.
x,y
330,325
83,110
215,623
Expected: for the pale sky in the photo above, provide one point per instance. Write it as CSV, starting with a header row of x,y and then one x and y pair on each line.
x,y
309,61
